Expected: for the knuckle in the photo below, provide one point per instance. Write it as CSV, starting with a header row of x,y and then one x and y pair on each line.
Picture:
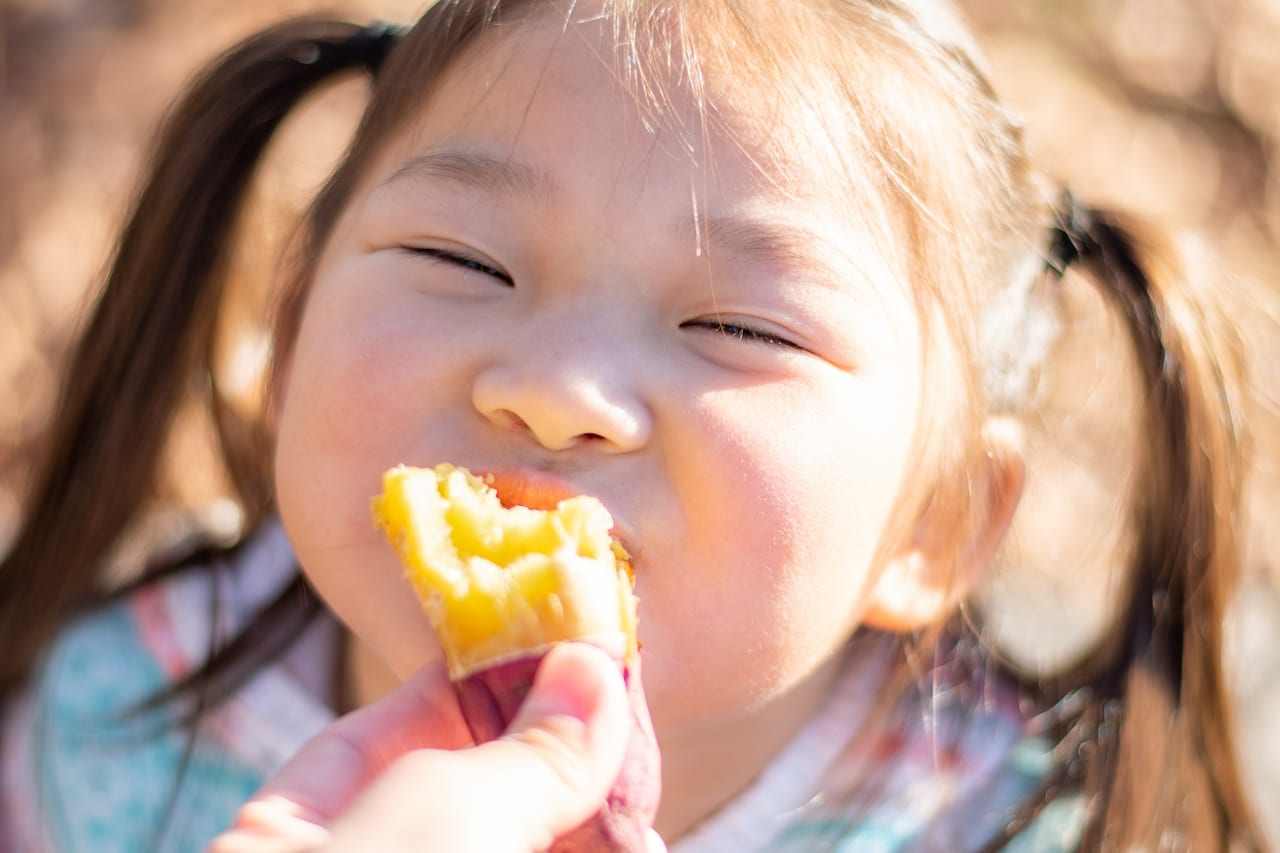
x,y
563,756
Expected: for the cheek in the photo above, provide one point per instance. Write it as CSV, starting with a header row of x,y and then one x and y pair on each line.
x,y
369,379
783,516
344,419
335,412
813,479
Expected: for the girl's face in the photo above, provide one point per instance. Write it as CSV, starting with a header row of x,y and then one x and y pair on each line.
x,y
532,280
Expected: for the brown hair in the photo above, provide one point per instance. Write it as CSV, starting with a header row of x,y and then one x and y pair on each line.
x,y
1162,757
148,341
958,198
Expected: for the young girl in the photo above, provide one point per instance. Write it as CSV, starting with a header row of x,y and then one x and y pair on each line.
x,y
774,282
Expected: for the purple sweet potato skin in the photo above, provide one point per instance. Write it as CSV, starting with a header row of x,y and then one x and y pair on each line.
x,y
490,698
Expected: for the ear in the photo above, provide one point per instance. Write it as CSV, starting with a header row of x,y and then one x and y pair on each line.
x,y
950,552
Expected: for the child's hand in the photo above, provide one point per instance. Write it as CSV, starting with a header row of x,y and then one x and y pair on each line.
x,y
388,778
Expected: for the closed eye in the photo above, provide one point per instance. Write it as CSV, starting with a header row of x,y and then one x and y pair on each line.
x,y
739,331
460,260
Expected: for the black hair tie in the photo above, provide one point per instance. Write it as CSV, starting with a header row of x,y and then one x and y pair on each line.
x,y
367,47
374,42
1082,233
1071,237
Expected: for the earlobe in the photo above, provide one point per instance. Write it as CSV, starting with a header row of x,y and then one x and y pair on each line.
x,y
908,595
951,550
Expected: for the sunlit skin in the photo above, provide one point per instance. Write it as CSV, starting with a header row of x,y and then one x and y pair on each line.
x,y
520,285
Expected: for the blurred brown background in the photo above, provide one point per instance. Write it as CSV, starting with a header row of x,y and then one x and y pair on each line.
x,y
1170,108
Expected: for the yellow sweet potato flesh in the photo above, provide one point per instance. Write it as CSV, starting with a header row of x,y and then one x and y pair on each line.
x,y
500,582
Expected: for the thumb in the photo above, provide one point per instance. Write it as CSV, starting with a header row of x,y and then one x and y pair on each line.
x,y
544,777
568,739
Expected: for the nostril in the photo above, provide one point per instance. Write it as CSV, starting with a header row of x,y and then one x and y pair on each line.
x,y
509,419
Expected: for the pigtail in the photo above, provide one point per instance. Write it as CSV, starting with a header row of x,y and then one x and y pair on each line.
x,y
1165,762
148,340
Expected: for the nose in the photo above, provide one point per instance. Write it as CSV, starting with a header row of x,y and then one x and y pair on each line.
x,y
564,397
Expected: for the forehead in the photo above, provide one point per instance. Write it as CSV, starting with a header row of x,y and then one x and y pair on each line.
x,y
634,121
665,97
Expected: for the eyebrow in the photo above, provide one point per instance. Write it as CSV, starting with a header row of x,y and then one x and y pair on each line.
x,y
761,241
766,242
474,169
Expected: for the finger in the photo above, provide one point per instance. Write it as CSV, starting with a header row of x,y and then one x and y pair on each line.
x,y
270,825
337,764
547,775
566,743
